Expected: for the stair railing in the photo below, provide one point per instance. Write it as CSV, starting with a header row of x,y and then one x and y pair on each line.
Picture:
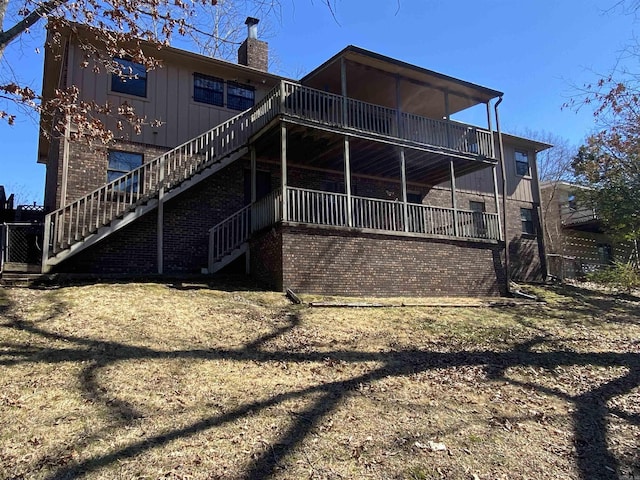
x,y
235,230
75,221
229,234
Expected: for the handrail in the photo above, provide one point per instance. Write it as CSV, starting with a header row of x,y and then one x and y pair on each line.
x,y
86,215
229,234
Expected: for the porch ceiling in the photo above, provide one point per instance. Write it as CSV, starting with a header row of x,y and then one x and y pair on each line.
x,y
324,150
371,77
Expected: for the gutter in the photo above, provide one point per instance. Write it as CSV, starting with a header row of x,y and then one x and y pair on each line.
x,y
503,174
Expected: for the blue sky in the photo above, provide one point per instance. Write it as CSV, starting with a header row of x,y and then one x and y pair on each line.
x,y
535,51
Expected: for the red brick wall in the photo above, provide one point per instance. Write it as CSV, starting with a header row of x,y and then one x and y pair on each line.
x,y
336,262
266,258
131,250
187,220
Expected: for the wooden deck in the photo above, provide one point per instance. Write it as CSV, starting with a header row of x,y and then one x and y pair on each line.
x,y
315,207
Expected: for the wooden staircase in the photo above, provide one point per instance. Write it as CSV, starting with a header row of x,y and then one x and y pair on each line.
x,y
88,220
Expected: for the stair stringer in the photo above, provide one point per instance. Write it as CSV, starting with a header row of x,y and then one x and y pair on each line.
x,y
140,210
230,257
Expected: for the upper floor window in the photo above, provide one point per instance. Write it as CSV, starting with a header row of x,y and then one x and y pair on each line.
x,y
207,89
131,79
240,97
522,163
526,217
119,164
571,201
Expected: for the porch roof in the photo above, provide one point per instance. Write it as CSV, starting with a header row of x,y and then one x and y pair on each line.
x,y
463,94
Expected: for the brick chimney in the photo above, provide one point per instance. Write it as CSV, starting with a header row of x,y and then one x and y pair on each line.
x,y
253,52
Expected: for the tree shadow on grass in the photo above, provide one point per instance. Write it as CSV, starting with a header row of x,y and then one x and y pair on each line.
x,y
590,416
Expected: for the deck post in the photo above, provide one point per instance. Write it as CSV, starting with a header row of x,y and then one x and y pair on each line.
x,y
254,187
490,128
454,202
447,116
283,179
343,87
347,180
405,209
399,126
497,200
160,227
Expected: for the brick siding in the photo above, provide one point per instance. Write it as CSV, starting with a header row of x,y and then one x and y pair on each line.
x,y
187,220
339,262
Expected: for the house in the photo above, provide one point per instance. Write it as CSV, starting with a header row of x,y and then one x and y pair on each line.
x,y
353,180
576,241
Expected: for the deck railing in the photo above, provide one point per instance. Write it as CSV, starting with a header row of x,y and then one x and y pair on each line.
x,y
267,211
313,206
577,215
330,209
330,109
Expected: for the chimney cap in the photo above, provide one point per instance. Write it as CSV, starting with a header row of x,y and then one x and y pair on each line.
x,y
250,21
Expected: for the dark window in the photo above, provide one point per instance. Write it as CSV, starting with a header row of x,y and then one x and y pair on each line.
x,y
605,253
121,163
526,216
476,207
240,97
414,197
572,202
208,89
522,163
131,79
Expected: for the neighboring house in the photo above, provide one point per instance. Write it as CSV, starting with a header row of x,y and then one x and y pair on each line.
x,y
353,180
576,242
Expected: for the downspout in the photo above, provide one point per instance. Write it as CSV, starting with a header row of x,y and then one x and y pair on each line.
x,y
503,173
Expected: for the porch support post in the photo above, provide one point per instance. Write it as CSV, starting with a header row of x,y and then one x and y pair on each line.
x,y
283,158
405,209
254,187
447,116
497,200
343,85
490,128
454,202
160,224
399,125
347,180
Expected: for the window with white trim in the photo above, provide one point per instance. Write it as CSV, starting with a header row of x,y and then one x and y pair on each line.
x,y
526,218
121,163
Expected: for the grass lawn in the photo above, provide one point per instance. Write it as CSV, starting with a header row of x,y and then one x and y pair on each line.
x,y
149,380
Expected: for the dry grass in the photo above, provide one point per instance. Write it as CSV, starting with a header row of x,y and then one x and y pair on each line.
x,y
177,381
